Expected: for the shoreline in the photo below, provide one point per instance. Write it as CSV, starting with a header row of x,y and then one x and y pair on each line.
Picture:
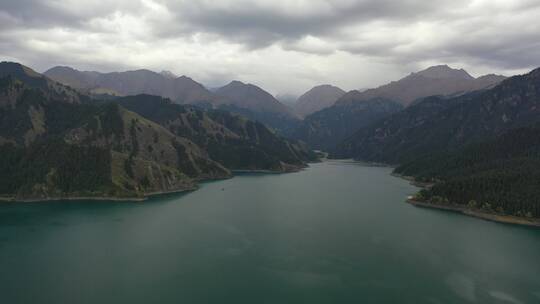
x,y
145,196
413,181
497,218
505,219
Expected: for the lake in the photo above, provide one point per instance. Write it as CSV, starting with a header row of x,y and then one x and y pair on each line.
x,y
337,232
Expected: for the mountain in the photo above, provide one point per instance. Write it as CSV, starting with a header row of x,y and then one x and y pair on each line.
x,y
232,140
316,99
179,89
287,99
54,148
245,99
252,97
499,176
439,124
257,104
436,80
33,79
54,145
325,129
168,74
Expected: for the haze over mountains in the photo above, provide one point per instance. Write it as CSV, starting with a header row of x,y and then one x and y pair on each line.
x,y
329,114
316,99
246,99
436,80
183,90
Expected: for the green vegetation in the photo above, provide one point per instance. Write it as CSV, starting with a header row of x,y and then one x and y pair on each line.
x,y
325,129
235,142
498,176
53,146
54,167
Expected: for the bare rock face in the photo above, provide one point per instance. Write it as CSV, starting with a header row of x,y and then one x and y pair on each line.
x,y
316,99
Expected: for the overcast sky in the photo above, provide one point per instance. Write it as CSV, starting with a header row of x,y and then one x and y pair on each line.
x,y
285,46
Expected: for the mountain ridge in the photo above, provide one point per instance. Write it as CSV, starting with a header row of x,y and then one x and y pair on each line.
x,y
316,99
435,80
438,123
54,147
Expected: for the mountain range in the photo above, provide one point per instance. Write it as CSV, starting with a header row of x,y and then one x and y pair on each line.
x,y
477,153
58,142
257,104
443,123
316,99
325,129
331,125
132,134
435,80
246,99
183,90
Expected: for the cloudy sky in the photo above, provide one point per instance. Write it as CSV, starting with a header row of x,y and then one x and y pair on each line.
x,y
285,46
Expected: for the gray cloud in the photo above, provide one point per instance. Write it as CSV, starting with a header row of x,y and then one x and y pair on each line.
x,y
257,25
284,45
39,13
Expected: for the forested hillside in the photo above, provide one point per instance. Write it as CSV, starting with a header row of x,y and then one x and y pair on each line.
x,y
234,141
325,129
439,124
58,143
501,175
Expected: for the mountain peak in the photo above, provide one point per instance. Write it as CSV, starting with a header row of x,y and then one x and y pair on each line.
x,y
168,74
22,73
61,68
184,77
251,97
236,83
14,68
444,72
318,98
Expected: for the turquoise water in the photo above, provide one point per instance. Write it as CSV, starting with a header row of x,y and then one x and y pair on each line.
x,y
337,232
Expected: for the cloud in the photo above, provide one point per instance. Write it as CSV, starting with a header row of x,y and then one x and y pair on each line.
x,y
282,45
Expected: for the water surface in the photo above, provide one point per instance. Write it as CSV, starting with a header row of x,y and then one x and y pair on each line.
x,y
338,232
